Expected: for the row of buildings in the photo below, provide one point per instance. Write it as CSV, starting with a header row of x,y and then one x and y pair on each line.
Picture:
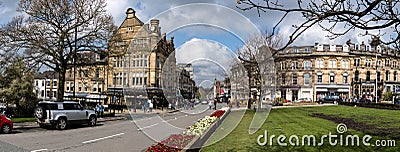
x,y
139,64
349,70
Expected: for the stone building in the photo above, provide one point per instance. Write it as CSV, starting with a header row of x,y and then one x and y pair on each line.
x,y
135,62
347,70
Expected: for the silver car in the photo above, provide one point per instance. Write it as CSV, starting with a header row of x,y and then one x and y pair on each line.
x,y
62,114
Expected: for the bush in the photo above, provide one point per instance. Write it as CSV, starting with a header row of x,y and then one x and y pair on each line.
x,y
388,96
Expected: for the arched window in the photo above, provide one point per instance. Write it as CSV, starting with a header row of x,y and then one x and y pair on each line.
x,y
395,76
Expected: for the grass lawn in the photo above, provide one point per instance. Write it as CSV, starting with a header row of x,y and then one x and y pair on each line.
x,y
17,120
317,121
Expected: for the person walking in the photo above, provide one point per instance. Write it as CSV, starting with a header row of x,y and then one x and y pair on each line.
x,y
215,104
151,106
210,103
97,110
101,111
146,105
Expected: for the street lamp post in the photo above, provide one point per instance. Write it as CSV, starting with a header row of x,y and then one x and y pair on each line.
x,y
114,97
376,80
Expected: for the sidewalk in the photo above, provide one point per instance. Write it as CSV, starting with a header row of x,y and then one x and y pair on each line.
x,y
30,125
154,111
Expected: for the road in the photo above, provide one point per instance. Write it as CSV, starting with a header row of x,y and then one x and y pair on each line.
x,y
135,134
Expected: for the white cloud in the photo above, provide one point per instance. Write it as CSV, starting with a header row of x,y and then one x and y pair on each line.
x,y
210,59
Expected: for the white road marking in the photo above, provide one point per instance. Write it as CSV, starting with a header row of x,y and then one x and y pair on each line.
x,y
39,150
148,126
94,140
175,118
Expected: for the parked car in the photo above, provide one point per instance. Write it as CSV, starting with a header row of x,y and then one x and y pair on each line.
x,y
303,100
329,99
5,124
62,114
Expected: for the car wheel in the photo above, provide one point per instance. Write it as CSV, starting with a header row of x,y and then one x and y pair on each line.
x,y
6,129
39,112
61,124
92,121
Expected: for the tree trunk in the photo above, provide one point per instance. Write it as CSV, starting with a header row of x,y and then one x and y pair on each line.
x,y
61,83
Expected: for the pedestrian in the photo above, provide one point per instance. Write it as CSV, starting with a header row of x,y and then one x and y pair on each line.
x,y
151,106
210,103
215,104
101,111
146,105
96,110
238,104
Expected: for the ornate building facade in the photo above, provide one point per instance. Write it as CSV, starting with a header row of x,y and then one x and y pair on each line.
x,y
348,70
133,66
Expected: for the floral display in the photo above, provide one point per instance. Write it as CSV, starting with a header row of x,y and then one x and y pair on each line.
x,y
173,143
199,127
218,113
177,142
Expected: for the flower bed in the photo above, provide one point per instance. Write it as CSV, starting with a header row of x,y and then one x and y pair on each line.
x,y
178,142
173,143
199,127
218,113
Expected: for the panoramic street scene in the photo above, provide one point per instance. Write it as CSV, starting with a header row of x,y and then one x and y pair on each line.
x,y
201,75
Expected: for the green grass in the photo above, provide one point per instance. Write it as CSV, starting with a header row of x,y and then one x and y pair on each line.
x,y
18,120
298,121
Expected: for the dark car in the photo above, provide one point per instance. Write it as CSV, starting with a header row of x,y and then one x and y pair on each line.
x,y
329,99
5,124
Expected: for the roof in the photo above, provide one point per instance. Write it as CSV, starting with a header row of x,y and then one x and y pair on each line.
x,y
58,102
46,75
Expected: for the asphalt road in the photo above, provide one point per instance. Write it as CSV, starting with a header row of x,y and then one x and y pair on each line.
x,y
135,134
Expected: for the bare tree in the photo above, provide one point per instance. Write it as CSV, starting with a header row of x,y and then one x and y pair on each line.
x,y
55,30
336,17
256,55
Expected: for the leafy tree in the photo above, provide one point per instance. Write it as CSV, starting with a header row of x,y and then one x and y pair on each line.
x,y
54,31
17,87
336,17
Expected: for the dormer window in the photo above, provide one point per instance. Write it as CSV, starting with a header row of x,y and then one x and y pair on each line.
x,y
130,28
379,49
320,47
332,48
307,50
345,48
357,46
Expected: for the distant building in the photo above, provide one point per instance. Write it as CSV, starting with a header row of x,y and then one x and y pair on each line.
x,y
46,84
188,67
186,84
